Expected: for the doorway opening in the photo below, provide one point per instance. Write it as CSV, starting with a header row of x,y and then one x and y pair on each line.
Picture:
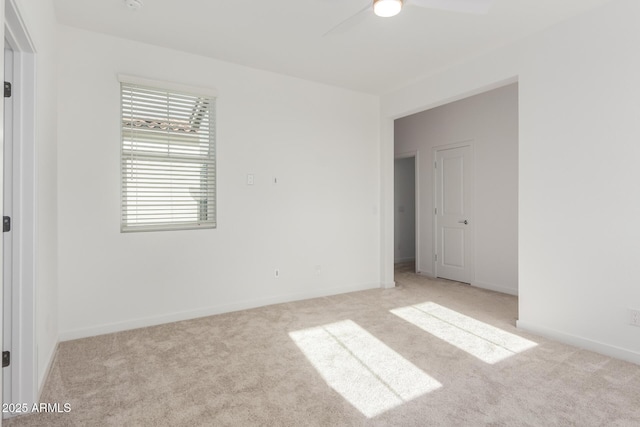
x,y
405,213
467,211
19,203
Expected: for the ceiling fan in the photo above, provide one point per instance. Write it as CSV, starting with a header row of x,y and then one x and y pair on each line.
x,y
388,8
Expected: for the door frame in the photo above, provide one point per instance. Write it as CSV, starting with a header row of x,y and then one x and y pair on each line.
x,y
435,149
24,386
416,159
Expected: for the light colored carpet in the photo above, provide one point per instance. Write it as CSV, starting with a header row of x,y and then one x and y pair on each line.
x,y
341,361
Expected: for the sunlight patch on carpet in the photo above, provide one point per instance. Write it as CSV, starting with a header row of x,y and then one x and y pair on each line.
x,y
367,373
486,342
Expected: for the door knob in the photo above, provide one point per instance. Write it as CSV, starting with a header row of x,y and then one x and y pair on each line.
x,y
465,222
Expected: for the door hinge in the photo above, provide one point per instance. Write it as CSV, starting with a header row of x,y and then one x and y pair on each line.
x,y
6,358
436,257
7,90
435,165
6,224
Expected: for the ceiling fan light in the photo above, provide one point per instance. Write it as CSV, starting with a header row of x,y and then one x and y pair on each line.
x,y
387,8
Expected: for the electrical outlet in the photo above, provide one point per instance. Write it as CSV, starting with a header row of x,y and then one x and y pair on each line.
x,y
634,317
276,273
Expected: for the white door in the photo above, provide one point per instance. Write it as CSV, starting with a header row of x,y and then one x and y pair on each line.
x,y
454,213
7,261
1,191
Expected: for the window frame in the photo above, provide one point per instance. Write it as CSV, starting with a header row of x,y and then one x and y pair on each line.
x,y
177,90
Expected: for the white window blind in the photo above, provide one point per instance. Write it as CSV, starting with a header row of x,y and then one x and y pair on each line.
x,y
168,160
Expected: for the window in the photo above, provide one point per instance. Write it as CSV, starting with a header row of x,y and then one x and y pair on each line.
x,y
168,162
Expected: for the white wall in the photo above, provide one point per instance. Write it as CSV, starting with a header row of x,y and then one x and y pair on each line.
x,y
490,122
321,142
405,210
579,105
40,21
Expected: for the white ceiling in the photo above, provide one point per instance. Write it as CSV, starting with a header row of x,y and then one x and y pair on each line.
x,y
286,36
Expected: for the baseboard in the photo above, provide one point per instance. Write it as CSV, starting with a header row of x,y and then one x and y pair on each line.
x,y
400,260
496,288
581,342
209,311
388,285
477,284
42,381
426,274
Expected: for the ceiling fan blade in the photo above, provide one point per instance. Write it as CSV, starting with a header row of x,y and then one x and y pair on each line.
x,y
479,7
350,22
